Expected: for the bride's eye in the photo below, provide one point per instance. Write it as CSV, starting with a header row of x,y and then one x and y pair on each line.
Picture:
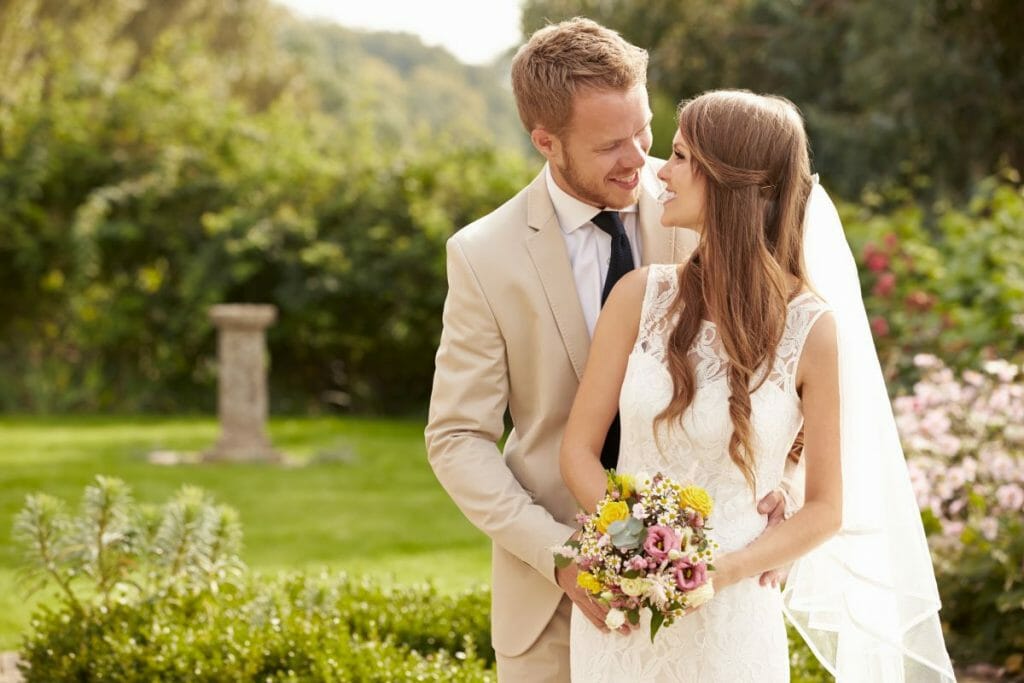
x,y
678,155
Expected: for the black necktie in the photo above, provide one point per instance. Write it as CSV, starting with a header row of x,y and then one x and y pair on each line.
x,y
620,263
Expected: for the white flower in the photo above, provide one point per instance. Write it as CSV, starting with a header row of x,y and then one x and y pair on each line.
x,y
698,596
639,511
676,554
615,619
634,587
642,480
658,592
566,551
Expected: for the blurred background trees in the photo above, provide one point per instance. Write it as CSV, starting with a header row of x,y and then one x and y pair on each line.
x,y
895,92
160,157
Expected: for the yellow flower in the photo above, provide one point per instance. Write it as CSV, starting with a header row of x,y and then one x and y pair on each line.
x,y
589,582
627,485
611,512
697,498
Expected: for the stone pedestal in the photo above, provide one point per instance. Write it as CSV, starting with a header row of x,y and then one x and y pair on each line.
x,y
242,382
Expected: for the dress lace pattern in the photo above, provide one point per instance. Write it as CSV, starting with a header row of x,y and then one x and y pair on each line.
x,y
739,636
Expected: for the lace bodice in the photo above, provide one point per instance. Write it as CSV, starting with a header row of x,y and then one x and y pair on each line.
x,y
698,452
702,647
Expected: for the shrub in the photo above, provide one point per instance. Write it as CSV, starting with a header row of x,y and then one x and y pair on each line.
x,y
965,450
949,282
160,594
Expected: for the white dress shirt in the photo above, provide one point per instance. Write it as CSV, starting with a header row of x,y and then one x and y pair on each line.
x,y
589,247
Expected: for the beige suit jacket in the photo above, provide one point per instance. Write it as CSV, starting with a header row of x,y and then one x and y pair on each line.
x,y
514,338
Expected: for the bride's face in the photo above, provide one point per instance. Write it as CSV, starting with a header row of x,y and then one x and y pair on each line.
x,y
683,201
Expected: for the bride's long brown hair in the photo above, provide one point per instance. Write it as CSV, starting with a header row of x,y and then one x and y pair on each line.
x,y
752,152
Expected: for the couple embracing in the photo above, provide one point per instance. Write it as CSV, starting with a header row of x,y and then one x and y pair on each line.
x,y
699,317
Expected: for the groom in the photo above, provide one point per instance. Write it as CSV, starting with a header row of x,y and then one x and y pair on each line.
x,y
525,286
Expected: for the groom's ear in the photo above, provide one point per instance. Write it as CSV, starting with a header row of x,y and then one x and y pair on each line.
x,y
547,143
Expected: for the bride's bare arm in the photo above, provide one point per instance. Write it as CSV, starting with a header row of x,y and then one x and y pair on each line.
x,y
821,515
597,398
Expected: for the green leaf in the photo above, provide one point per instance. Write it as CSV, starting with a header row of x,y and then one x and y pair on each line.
x,y
657,619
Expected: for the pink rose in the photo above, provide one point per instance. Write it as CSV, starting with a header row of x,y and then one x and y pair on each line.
x,y
660,540
689,576
886,283
880,326
874,259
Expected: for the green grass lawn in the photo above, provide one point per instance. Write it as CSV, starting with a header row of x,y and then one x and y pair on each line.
x,y
367,501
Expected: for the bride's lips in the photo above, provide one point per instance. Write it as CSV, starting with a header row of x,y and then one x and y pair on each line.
x,y
626,183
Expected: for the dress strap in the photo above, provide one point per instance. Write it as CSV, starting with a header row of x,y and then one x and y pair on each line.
x,y
662,285
804,311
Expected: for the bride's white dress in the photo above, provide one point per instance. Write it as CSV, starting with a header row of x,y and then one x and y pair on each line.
x,y
739,636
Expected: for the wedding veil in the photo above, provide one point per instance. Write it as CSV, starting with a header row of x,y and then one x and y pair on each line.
x,y
866,601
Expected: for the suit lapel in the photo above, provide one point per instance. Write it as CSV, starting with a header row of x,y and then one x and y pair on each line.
x,y
547,249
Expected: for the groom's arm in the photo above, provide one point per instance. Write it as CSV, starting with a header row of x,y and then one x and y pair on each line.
x,y
467,409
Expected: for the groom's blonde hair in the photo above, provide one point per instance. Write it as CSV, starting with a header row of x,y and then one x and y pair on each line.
x,y
562,59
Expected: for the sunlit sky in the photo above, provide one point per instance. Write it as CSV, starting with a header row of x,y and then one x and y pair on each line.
x,y
475,31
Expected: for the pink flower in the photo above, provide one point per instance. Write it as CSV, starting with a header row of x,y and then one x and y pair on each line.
x,y
886,283
874,259
1010,497
689,575
880,327
660,540
637,563
989,528
891,241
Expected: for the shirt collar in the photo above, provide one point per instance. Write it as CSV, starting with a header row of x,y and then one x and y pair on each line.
x,y
572,213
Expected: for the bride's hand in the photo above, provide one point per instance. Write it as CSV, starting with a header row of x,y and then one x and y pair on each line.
x,y
725,573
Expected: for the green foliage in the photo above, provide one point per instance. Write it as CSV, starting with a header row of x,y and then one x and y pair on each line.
x,y
804,667
198,153
951,285
118,548
166,598
981,581
895,93
292,628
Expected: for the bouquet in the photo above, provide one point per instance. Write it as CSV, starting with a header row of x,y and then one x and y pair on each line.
x,y
646,545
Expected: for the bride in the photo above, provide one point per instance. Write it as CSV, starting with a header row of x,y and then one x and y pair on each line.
x,y
715,366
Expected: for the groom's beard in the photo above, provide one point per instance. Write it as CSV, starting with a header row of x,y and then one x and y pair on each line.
x,y
592,193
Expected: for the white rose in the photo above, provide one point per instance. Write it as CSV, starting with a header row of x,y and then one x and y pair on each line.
x,y
615,619
698,596
633,587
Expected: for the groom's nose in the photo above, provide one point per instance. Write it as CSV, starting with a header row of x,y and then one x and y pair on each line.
x,y
635,155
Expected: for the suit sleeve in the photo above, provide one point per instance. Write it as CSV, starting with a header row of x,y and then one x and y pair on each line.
x,y
467,408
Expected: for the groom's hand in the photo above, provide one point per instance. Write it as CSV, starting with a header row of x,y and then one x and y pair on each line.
x,y
566,578
773,505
